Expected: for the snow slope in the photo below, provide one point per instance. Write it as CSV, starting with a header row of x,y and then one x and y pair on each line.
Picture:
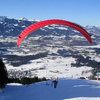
x,y
67,89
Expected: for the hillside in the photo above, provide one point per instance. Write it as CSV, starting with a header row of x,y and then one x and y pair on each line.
x,y
67,89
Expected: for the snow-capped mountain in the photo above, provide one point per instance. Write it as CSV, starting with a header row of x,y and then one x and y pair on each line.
x,y
13,27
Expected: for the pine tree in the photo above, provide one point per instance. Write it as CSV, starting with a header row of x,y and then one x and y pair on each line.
x,y
3,75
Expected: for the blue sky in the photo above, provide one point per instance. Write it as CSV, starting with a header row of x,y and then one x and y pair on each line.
x,y
83,12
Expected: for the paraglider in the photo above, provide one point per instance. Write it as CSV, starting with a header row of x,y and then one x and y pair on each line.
x,y
38,25
54,83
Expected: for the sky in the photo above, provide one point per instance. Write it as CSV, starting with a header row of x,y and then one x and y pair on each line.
x,y
83,12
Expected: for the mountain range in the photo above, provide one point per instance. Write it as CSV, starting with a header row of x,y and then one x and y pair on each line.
x,y
13,27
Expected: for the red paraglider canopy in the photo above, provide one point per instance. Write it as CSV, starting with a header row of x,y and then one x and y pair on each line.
x,y
38,25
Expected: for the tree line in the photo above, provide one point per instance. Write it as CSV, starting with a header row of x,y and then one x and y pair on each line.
x,y
85,61
24,80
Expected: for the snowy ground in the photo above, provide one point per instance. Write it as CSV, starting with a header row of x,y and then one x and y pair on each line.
x,y
54,67
67,89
